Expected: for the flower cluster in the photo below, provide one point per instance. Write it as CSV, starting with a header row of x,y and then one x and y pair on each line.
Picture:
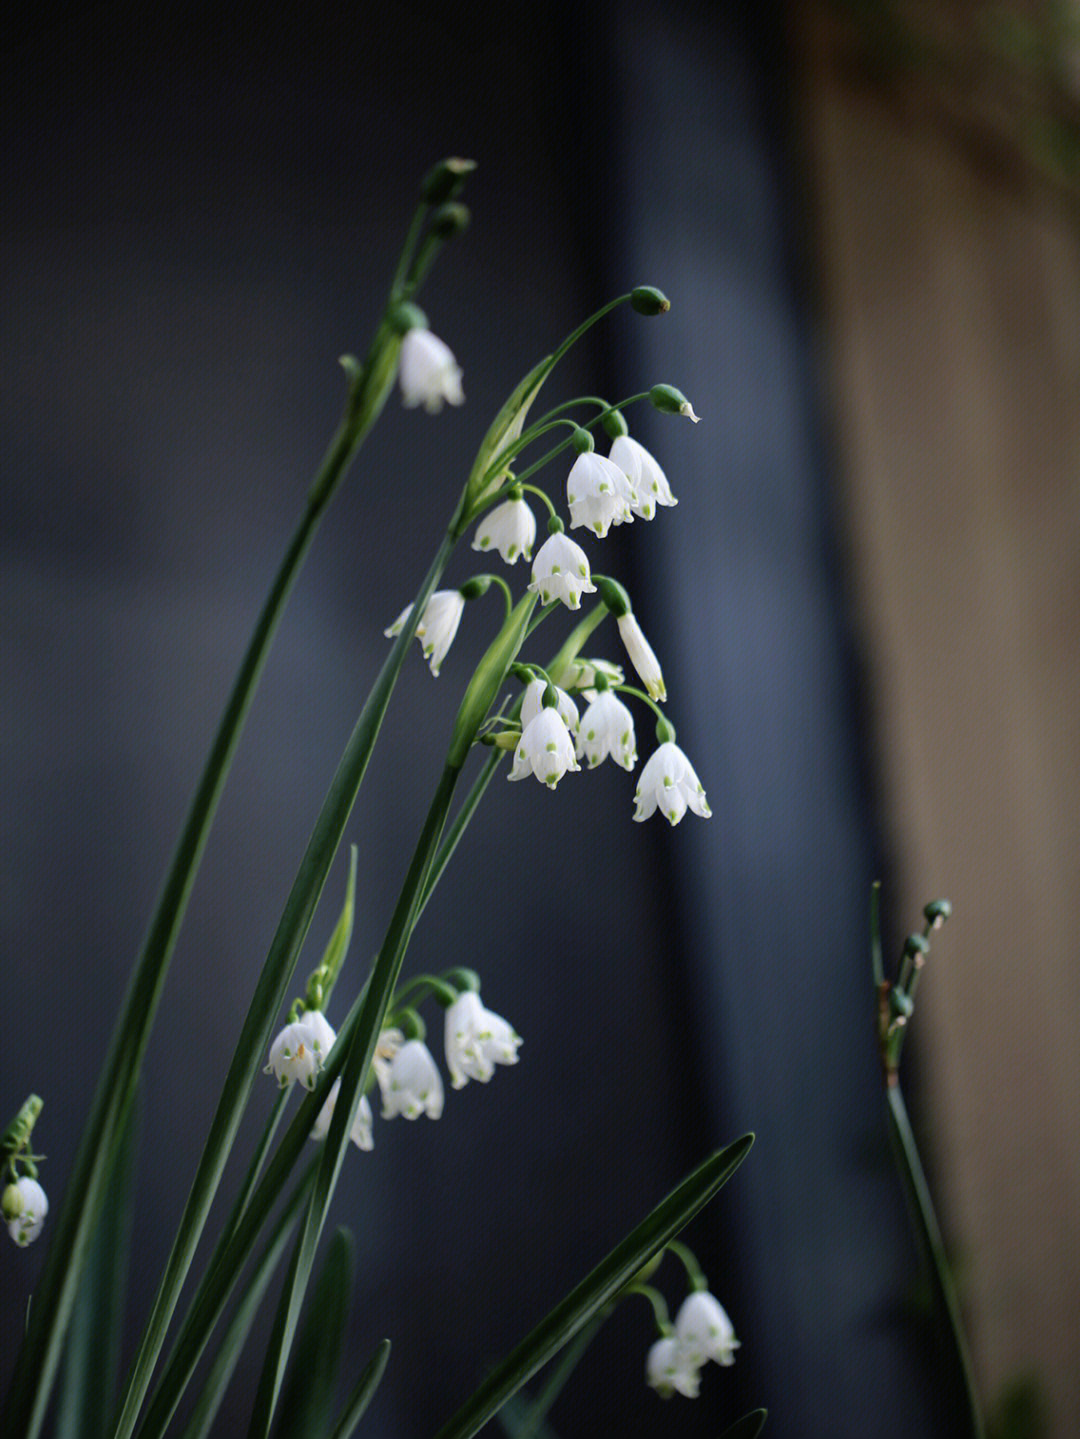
x,y
702,1332
476,1040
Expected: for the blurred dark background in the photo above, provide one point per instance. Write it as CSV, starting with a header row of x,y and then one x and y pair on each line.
x,y
202,214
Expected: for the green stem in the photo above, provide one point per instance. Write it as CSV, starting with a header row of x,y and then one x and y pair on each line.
x,y
657,1302
688,1260
933,1247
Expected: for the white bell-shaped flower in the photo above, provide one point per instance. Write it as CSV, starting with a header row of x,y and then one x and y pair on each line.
x,y
476,1041
532,702
428,372
607,728
509,528
641,656
360,1133
670,1368
300,1050
411,1084
668,782
561,572
545,749
648,480
599,494
438,625
704,1330
25,1226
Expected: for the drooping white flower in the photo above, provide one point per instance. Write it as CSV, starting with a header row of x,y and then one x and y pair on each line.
x,y
561,572
532,702
360,1133
300,1050
545,749
641,656
607,728
476,1040
704,1330
25,1226
509,528
668,781
438,624
669,1367
599,494
428,372
412,1085
649,482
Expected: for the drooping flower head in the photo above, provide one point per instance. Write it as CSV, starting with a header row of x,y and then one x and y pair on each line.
x,y
25,1208
300,1050
641,656
704,1330
438,625
607,728
360,1133
545,749
509,528
599,494
476,1040
428,372
668,783
561,570
647,479
411,1083
669,1368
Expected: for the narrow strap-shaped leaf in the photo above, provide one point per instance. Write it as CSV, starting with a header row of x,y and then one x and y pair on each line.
x,y
309,1386
361,1396
596,1289
529,1420
270,994
92,1354
250,1302
748,1427
516,1421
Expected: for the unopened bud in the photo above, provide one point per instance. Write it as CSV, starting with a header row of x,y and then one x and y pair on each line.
x,y
937,912
450,220
444,180
647,300
671,401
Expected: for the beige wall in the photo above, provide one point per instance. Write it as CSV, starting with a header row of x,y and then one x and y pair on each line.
x,y
952,309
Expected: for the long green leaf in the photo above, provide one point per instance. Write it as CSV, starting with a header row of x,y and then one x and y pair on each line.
x,y
270,994
232,1343
596,1289
361,1396
309,1387
92,1354
748,1427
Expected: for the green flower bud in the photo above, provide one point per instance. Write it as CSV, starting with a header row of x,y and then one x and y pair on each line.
x,y
915,945
647,300
474,588
670,401
613,595
582,441
450,220
406,317
615,425
900,1003
937,912
444,180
